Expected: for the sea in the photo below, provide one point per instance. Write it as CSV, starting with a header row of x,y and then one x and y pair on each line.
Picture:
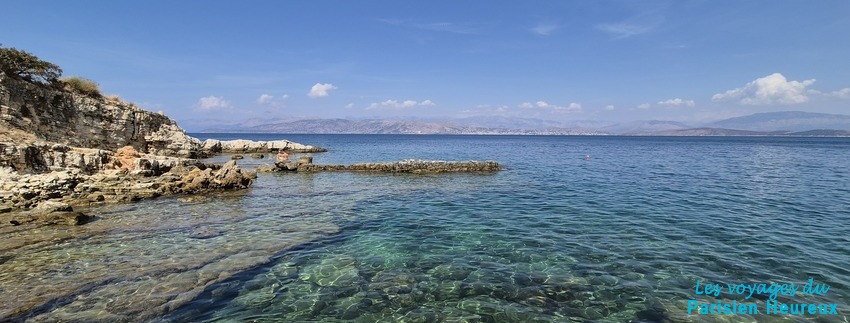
x,y
573,229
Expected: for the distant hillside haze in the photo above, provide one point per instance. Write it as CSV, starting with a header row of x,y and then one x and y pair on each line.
x,y
795,123
645,127
786,121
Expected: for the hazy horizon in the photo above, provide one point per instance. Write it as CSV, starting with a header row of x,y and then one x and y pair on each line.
x,y
687,61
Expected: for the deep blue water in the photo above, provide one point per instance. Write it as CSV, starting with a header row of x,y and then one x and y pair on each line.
x,y
623,236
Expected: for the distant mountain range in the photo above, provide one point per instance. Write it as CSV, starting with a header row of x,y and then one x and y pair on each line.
x,y
786,121
789,123
382,126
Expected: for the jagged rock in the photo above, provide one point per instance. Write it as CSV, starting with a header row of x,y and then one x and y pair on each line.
x,y
237,156
228,177
51,212
258,156
211,146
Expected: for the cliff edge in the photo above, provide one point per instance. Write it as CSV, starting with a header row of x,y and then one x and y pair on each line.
x,y
32,112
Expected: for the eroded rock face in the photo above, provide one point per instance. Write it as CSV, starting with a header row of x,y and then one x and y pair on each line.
x,y
75,120
45,157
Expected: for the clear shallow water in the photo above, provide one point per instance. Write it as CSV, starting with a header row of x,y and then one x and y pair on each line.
x,y
623,236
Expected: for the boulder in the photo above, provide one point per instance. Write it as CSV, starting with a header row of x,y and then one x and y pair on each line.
x,y
51,212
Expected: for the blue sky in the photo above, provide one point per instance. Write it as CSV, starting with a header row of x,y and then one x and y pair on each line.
x,y
691,61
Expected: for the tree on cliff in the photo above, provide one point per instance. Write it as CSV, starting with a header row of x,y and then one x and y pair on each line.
x,y
27,66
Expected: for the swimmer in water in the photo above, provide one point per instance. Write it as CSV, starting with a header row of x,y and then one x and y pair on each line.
x,y
282,156
586,157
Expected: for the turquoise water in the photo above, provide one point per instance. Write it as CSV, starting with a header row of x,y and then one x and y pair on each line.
x,y
623,236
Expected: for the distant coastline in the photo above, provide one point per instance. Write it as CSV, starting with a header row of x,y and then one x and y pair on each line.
x,y
697,132
787,123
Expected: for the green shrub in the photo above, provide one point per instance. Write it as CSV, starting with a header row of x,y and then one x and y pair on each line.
x,y
27,66
81,85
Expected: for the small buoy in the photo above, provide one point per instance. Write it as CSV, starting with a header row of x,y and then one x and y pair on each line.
x,y
586,157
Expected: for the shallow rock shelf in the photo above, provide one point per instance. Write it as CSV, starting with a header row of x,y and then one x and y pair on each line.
x,y
404,166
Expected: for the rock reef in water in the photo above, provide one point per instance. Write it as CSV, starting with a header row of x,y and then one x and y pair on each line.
x,y
241,146
405,166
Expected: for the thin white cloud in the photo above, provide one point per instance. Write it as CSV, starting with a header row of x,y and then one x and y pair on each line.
x,y
395,104
841,94
643,106
349,106
609,107
486,109
544,29
440,26
543,105
270,100
209,103
624,30
771,89
321,90
642,22
265,99
677,102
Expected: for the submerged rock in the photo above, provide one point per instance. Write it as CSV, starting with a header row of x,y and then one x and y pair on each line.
x,y
334,271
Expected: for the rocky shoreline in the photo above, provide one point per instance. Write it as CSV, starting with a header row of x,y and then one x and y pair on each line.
x,y
55,178
61,149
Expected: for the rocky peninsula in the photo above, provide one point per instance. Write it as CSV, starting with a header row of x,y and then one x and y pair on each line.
x,y
60,148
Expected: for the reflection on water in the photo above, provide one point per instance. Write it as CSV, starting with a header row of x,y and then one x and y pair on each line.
x,y
621,237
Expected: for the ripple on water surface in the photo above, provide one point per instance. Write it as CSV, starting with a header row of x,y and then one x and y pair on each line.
x,y
621,237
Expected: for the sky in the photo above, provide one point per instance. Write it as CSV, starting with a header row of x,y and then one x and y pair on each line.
x,y
226,61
